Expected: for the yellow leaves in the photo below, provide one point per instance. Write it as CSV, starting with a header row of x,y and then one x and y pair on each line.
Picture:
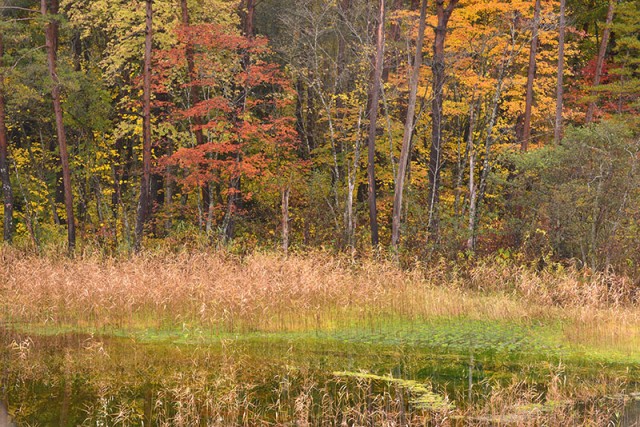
x,y
488,36
20,156
455,108
21,229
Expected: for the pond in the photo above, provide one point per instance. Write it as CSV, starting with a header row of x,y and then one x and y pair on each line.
x,y
415,373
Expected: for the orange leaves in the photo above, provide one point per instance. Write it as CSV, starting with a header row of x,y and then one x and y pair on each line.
x,y
212,36
208,106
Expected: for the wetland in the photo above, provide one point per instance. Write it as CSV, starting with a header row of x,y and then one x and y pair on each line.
x,y
311,342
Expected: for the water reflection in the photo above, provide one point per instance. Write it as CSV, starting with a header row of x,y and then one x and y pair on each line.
x,y
88,380
5,419
631,414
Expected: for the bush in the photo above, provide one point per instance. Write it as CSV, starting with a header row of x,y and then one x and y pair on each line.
x,y
582,199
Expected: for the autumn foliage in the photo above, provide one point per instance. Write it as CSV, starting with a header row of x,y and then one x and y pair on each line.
x,y
244,115
263,130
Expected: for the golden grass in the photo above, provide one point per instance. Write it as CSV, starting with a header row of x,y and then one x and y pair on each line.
x,y
267,292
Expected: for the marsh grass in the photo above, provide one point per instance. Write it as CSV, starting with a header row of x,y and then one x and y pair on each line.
x,y
264,292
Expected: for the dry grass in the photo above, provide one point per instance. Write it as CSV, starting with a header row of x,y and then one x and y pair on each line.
x,y
557,286
270,293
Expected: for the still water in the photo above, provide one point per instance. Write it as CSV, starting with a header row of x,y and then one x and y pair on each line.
x,y
359,378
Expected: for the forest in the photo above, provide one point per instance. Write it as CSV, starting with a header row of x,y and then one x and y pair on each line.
x,y
340,213
419,129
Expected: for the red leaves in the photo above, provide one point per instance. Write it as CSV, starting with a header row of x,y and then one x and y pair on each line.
x,y
242,108
215,38
589,71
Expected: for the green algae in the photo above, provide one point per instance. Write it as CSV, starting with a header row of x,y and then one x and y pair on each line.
x,y
422,397
499,339
428,362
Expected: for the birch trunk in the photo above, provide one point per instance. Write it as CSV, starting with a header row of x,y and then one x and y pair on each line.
x,y
286,193
409,126
479,191
351,186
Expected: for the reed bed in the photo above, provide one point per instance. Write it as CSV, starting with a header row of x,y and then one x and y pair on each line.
x,y
268,292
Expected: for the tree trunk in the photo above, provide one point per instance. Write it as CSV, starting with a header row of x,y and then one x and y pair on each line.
x,y
344,11
286,192
189,54
303,119
4,164
169,189
352,172
373,117
195,95
210,205
409,126
479,191
464,159
435,155
51,41
249,19
560,88
473,190
601,55
228,224
531,75
394,37
143,202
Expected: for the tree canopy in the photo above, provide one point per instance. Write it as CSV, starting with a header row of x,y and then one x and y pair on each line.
x,y
261,113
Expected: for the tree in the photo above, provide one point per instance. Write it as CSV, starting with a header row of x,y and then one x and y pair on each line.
x,y
604,44
244,116
143,201
51,38
409,127
584,195
4,165
621,92
531,75
438,69
374,100
236,84
286,194
247,18
560,88
189,56
509,43
330,56
194,98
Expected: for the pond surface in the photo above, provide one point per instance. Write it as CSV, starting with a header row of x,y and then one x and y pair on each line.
x,y
448,373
